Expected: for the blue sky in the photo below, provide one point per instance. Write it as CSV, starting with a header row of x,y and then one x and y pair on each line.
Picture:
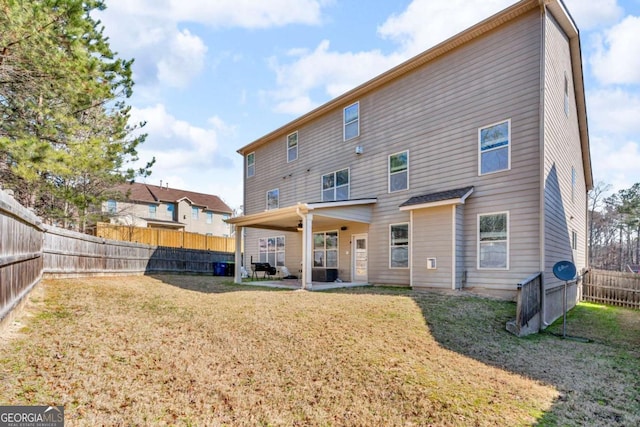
x,y
214,75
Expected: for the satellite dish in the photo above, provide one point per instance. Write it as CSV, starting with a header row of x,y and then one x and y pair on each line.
x,y
565,270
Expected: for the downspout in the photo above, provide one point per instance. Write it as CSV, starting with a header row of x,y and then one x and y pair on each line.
x,y
543,298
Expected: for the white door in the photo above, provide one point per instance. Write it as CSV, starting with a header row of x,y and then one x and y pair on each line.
x,y
360,258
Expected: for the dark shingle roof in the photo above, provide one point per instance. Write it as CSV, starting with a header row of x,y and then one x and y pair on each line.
x,y
139,192
437,197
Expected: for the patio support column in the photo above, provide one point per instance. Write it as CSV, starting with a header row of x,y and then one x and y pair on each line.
x,y
238,267
307,251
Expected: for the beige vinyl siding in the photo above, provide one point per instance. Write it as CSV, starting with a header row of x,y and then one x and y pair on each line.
x,y
435,112
432,231
562,151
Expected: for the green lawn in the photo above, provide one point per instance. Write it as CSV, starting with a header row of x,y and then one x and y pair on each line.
x,y
183,350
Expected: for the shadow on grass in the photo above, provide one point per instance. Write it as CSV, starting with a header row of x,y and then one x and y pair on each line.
x,y
210,284
597,381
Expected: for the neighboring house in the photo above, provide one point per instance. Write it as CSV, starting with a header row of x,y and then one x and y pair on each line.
x,y
145,205
466,167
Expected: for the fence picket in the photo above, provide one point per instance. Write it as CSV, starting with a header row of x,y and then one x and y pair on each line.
x,y
612,287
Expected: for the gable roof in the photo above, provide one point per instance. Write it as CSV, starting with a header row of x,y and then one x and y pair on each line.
x,y
555,7
457,196
138,192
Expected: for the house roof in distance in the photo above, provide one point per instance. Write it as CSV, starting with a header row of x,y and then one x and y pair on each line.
x,y
139,192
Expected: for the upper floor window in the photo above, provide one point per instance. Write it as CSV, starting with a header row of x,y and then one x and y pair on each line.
x,y
574,240
399,246
352,121
225,216
566,95
152,211
494,142
335,186
273,199
112,206
194,212
251,164
493,241
209,217
399,171
292,147
170,209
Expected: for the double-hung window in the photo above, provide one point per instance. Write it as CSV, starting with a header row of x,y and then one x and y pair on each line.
x,y
112,206
399,171
494,142
273,199
325,249
170,210
399,245
209,217
493,241
292,147
352,121
194,212
271,250
251,164
152,211
335,186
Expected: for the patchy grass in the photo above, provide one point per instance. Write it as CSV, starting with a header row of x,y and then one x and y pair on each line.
x,y
182,350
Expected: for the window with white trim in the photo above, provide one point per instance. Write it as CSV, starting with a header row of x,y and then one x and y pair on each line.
x,y
494,142
574,240
170,210
493,241
351,121
399,171
292,146
272,250
325,249
112,206
335,186
194,212
152,211
399,245
209,217
251,164
273,199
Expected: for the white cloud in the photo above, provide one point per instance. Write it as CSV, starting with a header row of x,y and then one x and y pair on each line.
x,y
333,72
183,60
593,14
615,164
614,112
426,23
617,56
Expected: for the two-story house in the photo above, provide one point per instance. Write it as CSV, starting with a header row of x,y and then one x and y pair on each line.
x,y
465,167
157,206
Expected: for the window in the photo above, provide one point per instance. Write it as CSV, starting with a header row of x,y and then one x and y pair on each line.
x,y
325,249
494,143
493,241
573,184
399,246
170,209
152,211
251,164
112,206
352,121
273,199
399,171
335,186
271,250
292,147
194,212
574,240
566,95
209,217
225,216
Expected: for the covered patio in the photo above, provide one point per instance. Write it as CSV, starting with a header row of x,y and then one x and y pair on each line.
x,y
303,218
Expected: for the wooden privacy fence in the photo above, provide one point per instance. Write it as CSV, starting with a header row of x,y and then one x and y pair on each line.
x,y
30,250
611,287
20,253
163,237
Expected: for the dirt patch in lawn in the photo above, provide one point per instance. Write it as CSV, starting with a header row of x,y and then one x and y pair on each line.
x,y
189,351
